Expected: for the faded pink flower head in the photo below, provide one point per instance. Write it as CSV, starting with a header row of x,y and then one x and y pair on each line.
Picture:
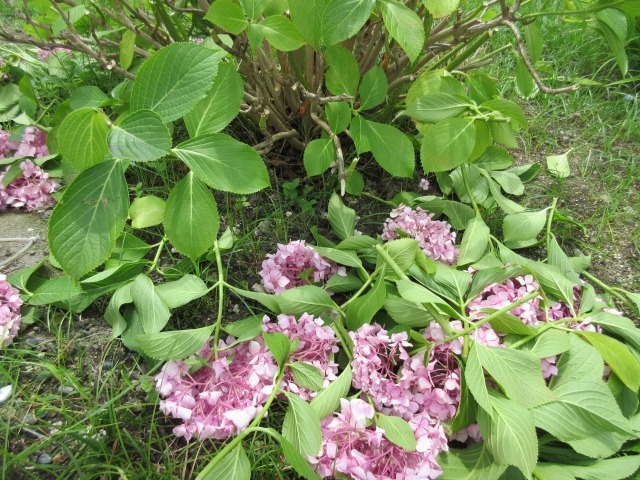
x,y
424,184
498,296
296,264
434,236
10,318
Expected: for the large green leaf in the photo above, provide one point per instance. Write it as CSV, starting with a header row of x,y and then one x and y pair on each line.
x,y
344,18
328,400
172,80
301,426
297,461
580,362
82,139
618,325
618,357
586,407
474,242
307,17
524,225
447,144
253,8
517,372
471,463
441,8
306,299
341,218
281,33
390,147
234,466
182,291
338,115
147,211
618,468
221,105
405,27
141,137
89,217
228,16
373,89
475,381
152,311
224,163
318,156
436,107
510,435
363,308
343,74
191,219
397,431
174,345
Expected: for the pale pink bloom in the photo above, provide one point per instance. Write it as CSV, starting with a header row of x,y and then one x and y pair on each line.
x,y
10,318
549,368
469,434
498,296
434,236
424,184
296,264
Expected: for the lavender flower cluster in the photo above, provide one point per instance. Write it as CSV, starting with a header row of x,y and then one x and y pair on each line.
x,y
434,236
10,319
296,264
221,399
32,189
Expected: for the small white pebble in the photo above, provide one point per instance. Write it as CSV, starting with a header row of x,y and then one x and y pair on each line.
x,y
5,393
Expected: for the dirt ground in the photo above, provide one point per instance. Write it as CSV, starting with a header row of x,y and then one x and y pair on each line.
x,y
22,225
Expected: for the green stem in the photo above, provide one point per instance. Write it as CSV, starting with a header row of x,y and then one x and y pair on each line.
x,y
433,311
221,284
554,203
609,290
362,289
156,258
386,202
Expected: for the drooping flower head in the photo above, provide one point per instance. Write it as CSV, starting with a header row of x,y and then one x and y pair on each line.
x,y
10,318
353,446
498,296
434,236
317,344
296,264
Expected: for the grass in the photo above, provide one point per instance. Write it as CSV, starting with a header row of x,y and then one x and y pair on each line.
x,y
109,426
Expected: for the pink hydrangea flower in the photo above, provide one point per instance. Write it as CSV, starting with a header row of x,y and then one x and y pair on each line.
x,y
296,264
434,236
424,184
469,434
44,54
317,344
354,447
10,318
498,296
549,368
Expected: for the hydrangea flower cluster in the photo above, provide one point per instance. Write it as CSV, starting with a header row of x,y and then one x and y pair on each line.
x,y
434,236
45,53
498,296
221,399
33,188
353,446
296,264
10,303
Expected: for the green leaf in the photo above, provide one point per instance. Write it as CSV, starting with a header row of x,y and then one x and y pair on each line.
x,y
559,259
58,289
405,312
507,323
403,251
343,74
550,343
619,358
307,16
612,24
615,324
363,308
580,362
191,218
436,107
87,96
342,257
347,283
82,139
397,431
509,182
221,105
524,225
306,375
318,156
475,381
91,214
281,33
182,291
553,281
234,466
228,16
441,8
297,461
342,19
494,158
508,109
141,137
224,163
524,81
269,301
471,463
20,279
373,89
459,214
172,80
245,329
306,299
448,282
253,8
328,400
301,426
174,345
447,144
610,469
506,205
338,115
127,46
405,26
586,408
417,293
279,346
510,435
112,314
535,40
518,372
390,147
474,242
147,211
154,314
341,218
558,165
